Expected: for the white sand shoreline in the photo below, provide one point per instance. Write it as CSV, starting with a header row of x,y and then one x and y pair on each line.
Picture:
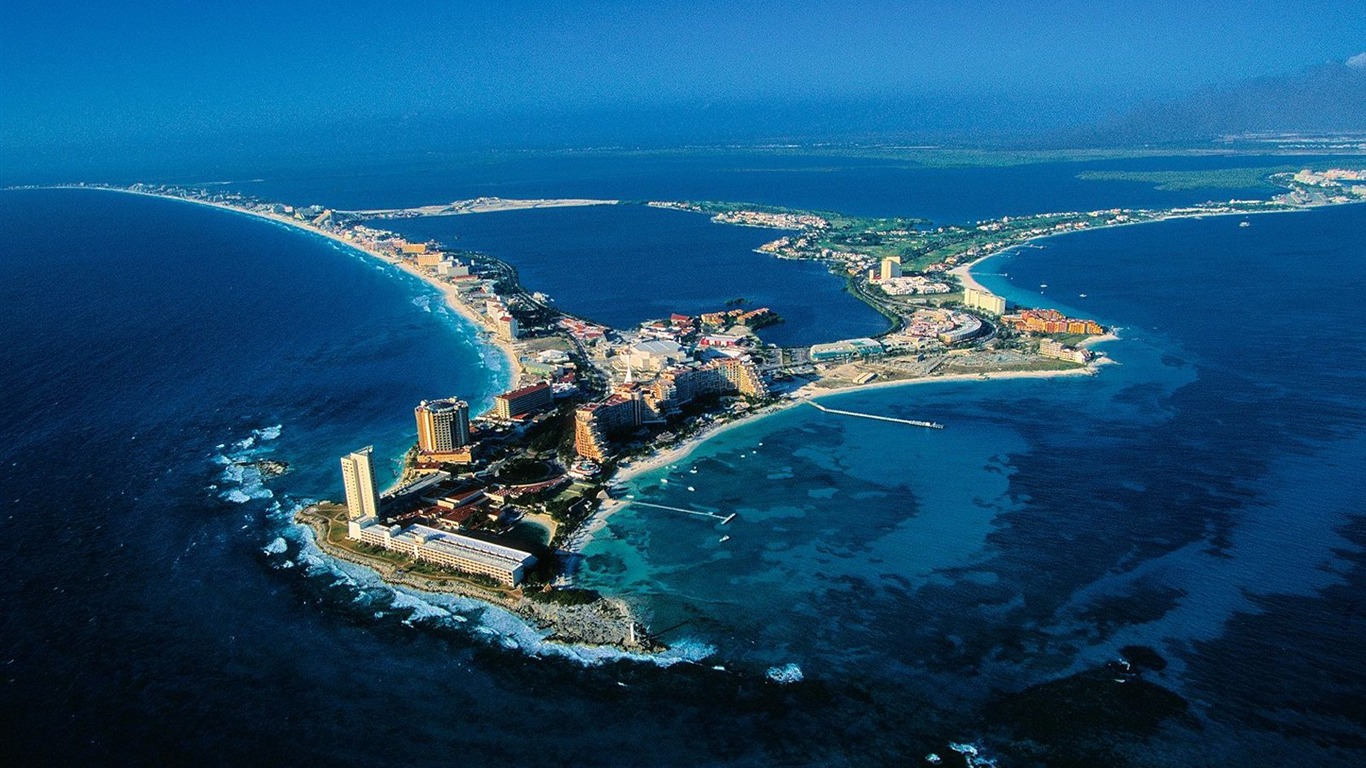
x,y
480,205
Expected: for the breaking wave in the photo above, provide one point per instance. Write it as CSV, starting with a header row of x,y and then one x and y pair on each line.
x,y
488,623
785,674
240,481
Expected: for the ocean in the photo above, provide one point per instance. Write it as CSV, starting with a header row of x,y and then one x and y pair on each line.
x,y
885,590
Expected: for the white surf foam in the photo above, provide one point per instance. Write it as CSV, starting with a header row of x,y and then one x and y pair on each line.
x,y
785,674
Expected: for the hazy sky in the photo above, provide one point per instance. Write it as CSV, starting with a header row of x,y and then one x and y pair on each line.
x,y
100,71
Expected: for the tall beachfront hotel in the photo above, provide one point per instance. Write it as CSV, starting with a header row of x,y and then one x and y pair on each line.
x,y
443,426
359,478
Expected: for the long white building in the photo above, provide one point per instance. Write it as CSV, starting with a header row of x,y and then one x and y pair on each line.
x,y
358,475
451,550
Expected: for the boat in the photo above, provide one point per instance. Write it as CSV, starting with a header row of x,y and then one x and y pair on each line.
x,y
691,488
725,538
1082,295
1244,223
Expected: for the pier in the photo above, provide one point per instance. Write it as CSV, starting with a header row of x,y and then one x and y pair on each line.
x,y
893,419
723,518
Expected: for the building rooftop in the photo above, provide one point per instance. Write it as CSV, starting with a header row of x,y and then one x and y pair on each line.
x,y
525,390
466,546
658,347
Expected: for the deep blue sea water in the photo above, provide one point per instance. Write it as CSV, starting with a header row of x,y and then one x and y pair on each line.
x,y
623,264
1202,497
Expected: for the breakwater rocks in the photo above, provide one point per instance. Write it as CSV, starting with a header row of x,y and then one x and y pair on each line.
x,y
588,619
267,467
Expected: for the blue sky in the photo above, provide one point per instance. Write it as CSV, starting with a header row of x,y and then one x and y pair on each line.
x,y
111,71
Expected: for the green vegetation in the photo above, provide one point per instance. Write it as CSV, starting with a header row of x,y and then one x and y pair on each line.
x,y
1214,178
565,596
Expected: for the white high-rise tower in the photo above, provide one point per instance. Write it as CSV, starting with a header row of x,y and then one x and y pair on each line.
x,y
359,478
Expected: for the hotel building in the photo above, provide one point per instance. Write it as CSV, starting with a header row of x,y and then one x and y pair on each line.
x,y
595,423
524,400
987,302
630,407
891,267
506,326
442,425
451,550
359,479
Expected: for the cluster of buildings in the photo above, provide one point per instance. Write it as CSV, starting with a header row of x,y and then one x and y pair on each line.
x,y
912,285
1330,177
772,220
584,332
941,324
1051,321
1056,350
753,318
418,540
633,404
478,294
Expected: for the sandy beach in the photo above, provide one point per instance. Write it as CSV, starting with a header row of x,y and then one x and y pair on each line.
x,y
483,205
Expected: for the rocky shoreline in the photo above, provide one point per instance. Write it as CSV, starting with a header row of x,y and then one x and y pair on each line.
x,y
602,621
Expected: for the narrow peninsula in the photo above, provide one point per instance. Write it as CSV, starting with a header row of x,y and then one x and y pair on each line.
x,y
589,406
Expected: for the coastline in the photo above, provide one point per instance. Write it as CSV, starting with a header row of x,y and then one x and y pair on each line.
x,y
964,271
448,291
481,205
806,394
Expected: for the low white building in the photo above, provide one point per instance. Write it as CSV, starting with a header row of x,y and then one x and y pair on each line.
x,y
656,355
451,550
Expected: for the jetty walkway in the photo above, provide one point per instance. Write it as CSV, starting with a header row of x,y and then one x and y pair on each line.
x,y
723,518
893,419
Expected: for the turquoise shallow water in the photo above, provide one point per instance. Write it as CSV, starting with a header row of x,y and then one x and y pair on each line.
x,y
1181,500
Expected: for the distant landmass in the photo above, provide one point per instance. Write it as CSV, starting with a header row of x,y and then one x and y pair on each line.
x,y
1330,98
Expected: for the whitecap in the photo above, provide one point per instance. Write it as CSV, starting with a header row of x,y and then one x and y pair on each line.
x,y
491,623
268,433
785,674
276,547
421,609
